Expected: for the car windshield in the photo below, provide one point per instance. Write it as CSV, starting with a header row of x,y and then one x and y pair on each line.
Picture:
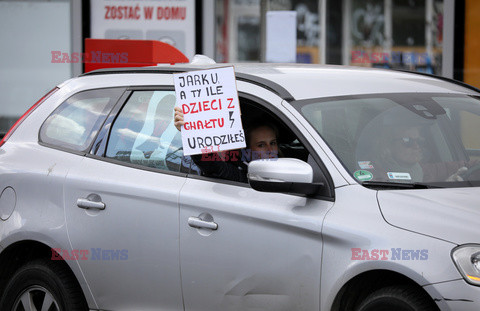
x,y
389,140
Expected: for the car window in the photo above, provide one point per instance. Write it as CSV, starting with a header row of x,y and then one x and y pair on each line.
x,y
144,132
235,162
464,118
402,138
75,123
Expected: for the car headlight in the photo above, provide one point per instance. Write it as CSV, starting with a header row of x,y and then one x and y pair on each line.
x,y
467,260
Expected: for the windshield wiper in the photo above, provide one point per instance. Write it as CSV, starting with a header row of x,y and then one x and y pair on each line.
x,y
396,185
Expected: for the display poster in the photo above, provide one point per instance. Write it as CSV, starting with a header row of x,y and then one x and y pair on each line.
x,y
210,106
172,22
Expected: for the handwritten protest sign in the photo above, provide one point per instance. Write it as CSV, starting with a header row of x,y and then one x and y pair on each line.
x,y
209,101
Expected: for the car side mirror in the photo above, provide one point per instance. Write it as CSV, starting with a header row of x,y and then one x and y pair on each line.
x,y
282,175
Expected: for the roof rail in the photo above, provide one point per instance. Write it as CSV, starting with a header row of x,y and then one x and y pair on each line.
x,y
152,69
266,84
460,83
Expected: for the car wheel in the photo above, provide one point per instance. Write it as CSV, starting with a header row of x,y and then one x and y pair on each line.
x,y
43,285
396,298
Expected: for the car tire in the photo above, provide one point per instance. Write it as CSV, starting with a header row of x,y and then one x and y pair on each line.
x,y
396,298
45,285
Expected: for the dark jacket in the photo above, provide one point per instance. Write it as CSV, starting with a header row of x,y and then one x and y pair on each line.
x,y
235,171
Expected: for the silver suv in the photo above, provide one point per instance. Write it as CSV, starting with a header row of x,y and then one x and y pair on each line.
x,y
373,204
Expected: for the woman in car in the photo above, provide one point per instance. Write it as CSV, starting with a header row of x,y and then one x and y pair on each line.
x,y
261,139
402,151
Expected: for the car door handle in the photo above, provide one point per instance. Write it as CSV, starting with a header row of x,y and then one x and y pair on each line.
x,y
196,222
93,201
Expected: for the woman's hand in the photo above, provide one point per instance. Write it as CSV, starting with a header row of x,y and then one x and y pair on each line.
x,y
178,118
458,176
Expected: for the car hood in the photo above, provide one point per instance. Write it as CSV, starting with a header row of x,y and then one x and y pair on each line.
x,y
450,214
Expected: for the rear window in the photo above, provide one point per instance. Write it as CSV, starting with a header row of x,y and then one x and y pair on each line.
x,y
75,123
144,132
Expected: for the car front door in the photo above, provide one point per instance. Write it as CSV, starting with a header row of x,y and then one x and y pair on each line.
x,y
122,208
247,250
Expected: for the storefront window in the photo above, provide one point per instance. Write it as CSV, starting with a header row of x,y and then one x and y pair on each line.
x,y
368,24
408,22
399,34
248,29
308,31
239,29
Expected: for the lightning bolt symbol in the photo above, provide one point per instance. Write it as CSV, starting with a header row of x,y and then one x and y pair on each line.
x,y
230,118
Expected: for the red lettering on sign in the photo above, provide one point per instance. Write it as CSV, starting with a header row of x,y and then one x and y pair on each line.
x,y
230,103
204,124
171,13
205,105
107,11
148,11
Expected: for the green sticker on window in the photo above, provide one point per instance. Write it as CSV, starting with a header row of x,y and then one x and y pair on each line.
x,y
363,175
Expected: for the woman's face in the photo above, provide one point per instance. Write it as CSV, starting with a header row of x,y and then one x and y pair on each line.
x,y
263,143
407,146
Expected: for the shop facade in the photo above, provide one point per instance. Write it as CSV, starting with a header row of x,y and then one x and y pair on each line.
x,y
428,36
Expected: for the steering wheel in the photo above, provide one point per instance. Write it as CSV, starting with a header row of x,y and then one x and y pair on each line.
x,y
470,171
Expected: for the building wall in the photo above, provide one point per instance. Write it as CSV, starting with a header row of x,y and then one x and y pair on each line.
x,y
30,32
471,72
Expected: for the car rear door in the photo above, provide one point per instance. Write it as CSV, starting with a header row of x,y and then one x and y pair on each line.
x,y
247,250
122,207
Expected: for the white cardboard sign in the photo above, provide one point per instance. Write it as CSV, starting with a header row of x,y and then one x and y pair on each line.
x,y
281,38
211,111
